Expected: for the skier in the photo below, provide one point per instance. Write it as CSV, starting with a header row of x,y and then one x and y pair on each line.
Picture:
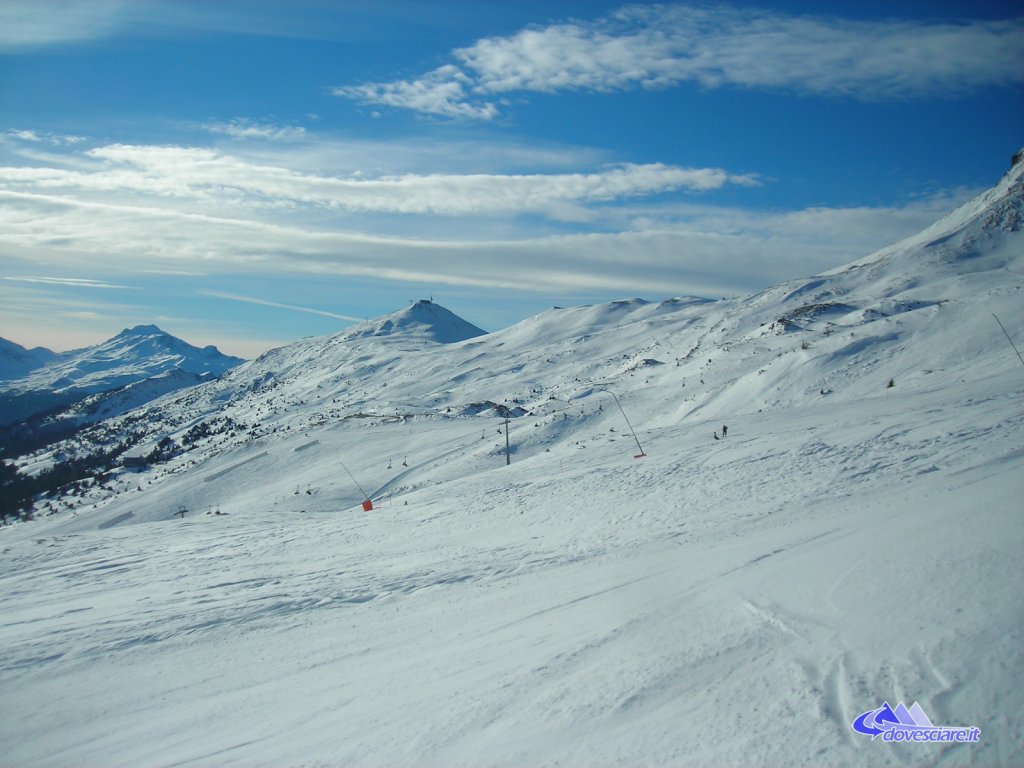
x,y
725,430
716,435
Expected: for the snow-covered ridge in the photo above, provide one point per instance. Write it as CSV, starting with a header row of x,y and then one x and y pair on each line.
x,y
131,356
16,361
995,211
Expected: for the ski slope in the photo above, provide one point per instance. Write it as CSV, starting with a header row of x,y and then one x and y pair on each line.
x,y
733,601
730,603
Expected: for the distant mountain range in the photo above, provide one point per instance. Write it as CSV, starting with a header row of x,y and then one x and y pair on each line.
x,y
35,381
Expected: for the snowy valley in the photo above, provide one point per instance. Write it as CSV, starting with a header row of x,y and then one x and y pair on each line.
x,y
638,586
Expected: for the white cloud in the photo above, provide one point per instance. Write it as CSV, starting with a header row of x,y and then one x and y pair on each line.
x,y
72,282
29,23
35,137
119,214
24,135
710,251
205,175
26,24
662,46
244,128
440,92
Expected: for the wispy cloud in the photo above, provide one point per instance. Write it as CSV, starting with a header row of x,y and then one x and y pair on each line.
x,y
245,128
29,23
128,212
202,174
662,46
445,91
710,251
70,282
42,137
276,305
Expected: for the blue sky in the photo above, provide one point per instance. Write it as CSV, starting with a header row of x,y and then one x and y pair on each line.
x,y
248,173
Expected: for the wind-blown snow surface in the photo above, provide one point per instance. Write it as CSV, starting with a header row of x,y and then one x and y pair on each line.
x,y
731,601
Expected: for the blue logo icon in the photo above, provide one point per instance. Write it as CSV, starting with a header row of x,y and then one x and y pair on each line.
x,y
902,724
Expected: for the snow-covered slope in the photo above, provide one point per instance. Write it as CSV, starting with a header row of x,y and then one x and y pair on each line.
x,y
16,361
114,402
732,599
131,356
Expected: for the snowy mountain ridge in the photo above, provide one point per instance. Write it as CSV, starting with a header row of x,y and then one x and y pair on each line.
x,y
804,450
133,355
17,361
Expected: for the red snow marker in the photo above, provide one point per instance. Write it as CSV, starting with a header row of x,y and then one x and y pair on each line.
x,y
367,505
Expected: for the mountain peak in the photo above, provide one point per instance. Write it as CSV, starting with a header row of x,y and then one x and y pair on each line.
x,y
424,319
147,340
141,330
